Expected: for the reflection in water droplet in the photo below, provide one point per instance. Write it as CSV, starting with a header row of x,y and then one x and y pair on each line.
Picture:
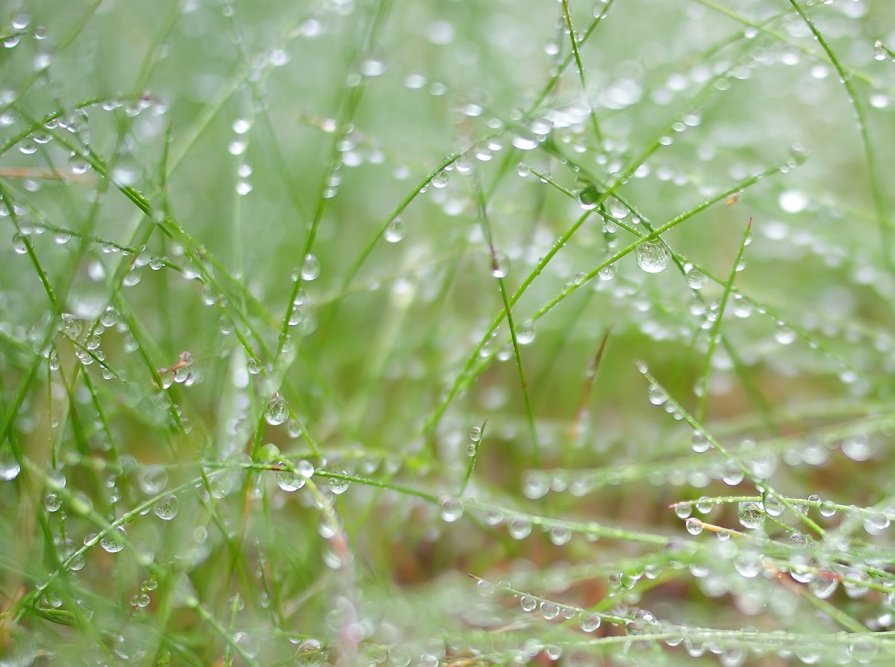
x,y
310,270
451,509
277,411
750,514
653,256
500,265
113,541
166,508
395,231
588,196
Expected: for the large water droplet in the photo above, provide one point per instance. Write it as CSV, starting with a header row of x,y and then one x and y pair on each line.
x,y
588,196
653,256
9,467
750,514
166,508
395,231
310,270
277,411
113,541
451,509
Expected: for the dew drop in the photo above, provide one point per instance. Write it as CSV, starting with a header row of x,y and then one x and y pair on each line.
x,y
395,231
310,270
750,514
652,256
792,201
525,142
876,523
535,485
705,505
289,481
500,265
519,528
528,603
824,584
52,502
560,535
305,469
9,467
484,587
590,622
657,395
113,542
858,448
337,485
525,334
699,442
153,479
451,509
277,411
588,196
784,335
549,610
696,279
166,508
694,526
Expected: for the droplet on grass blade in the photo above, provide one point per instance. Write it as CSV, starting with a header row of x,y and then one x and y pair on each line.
x,y
652,256
277,411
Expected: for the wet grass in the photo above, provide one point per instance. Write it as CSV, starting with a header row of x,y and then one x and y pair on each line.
x,y
447,334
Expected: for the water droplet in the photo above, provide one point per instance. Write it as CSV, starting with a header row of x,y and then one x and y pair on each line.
x,y
528,603
451,509
289,481
484,587
535,485
792,201
590,622
519,528
395,231
305,469
652,256
773,506
166,508
371,67
824,584
153,479
310,270
525,333
549,610
876,523
339,486
560,535
9,467
588,196
696,279
700,443
705,505
525,141
113,541
858,447
249,644
52,502
277,411
784,335
750,514
500,265
694,526
657,395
